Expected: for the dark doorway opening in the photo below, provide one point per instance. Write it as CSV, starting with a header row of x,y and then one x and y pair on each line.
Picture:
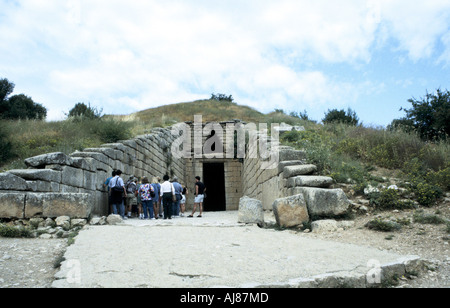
x,y
214,179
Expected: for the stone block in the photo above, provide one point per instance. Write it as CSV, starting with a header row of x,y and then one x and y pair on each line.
x,y
72,177
74,205
41,161
291,154
12,205
10,181
291,211
250,211
38,174
291,171
310,181
325,203
320,226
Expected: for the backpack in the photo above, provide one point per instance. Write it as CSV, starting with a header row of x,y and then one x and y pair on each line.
x,y
117,188
131,187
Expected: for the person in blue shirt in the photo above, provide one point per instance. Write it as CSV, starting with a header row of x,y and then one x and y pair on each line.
x,y
156,199
106,185
178,194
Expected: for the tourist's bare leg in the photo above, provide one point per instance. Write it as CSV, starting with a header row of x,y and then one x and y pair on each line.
x,y
195,209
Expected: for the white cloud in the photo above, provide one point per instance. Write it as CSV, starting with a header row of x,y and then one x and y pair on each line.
x,y
126,56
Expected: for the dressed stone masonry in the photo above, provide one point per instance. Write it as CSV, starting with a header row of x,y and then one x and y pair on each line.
x,y
57,184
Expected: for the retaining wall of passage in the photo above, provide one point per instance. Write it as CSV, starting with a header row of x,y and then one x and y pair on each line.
x,y
263,184
56,184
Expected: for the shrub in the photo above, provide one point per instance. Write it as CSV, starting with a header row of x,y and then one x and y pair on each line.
x,y
14,232
110,131
6,151
426,194
388,199
429,219
341,116
382,225
81,111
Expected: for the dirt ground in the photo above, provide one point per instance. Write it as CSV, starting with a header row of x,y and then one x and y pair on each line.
x,y
30,263
430,242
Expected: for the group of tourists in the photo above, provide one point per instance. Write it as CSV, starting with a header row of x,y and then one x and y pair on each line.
x,y
158,199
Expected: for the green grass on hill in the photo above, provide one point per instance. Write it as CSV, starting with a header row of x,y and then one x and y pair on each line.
x,y
211,110
346,153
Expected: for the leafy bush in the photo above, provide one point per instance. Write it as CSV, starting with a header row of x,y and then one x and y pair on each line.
x,y
82,111
382,225
388,199
14,232
111,131
341,116
426,194
420,217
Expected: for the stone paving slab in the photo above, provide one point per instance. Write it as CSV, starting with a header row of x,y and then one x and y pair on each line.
x,y
216,251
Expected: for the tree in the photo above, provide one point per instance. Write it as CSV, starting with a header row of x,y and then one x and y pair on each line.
x,y
81,110
341,116
429,116
23,107
6,88
18,106
222,97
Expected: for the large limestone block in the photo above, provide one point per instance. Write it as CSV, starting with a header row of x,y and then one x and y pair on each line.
x,y
322,202
287,163
291,171
250,211
40,161
47,175
286,154
72,177
10,181
97,156
74,205
12,205
291,211
310,181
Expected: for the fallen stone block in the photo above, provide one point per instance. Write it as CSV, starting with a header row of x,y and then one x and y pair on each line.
x,y
291,211
321,226
114,219
250,211
325,203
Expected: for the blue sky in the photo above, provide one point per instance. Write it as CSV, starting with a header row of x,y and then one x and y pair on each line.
x,y
126,56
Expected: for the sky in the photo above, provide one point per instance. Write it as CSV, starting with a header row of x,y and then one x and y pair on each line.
x,y
296,55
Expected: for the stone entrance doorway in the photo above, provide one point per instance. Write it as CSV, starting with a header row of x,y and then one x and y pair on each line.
x,y
214,179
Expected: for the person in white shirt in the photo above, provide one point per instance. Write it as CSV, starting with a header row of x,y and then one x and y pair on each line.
x,y
167,193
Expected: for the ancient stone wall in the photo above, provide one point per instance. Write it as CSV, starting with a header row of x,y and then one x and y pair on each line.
x,y
56,184
268,184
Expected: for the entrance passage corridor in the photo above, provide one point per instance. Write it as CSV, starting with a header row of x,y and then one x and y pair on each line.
x,y
213,251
